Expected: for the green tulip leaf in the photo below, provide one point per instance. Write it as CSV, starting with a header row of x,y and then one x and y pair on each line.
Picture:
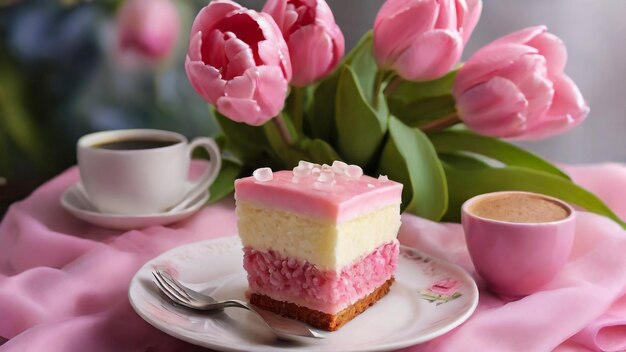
x,y
364,44
320,113
247,142
295,108
314,150
278,146
419,112
508,154
224,184
318,151
360,127
406,92
464,183
364,65
416,103
409,158
462,161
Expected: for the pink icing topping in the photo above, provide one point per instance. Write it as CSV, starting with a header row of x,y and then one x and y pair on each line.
x,y
339,199
328,291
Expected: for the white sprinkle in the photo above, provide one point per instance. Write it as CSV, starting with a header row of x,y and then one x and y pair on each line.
x,y
305,164
369,185
339,167
263,174
326,176
316,170
354,172
301,171
383,178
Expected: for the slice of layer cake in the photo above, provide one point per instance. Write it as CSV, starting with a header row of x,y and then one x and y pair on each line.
x,y
319,241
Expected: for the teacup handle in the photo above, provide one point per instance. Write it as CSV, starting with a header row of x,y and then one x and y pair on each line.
x,y
209,175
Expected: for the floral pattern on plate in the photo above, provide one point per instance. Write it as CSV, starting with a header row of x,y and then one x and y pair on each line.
x,y
442,291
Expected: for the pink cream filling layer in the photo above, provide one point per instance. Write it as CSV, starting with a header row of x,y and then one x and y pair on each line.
x,y
329,291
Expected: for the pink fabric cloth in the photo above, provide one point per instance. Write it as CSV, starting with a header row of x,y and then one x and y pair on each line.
x,y
63,283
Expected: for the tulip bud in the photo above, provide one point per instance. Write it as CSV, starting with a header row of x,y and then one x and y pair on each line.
x,y
149,27
515,88
423,39
239,62
315,42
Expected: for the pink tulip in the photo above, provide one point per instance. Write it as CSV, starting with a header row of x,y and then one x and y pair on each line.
x,y
149,27
239,62
515,88
315,42
423,39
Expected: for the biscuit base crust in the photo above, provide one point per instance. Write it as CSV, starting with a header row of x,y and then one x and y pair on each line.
x,y
321,320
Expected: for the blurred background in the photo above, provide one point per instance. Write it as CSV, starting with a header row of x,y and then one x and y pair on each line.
x,y
63,74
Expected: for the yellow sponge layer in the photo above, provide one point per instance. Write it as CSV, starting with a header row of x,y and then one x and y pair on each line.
x,y
326,245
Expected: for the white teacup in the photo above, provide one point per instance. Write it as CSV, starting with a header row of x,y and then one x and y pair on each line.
x,y
123,175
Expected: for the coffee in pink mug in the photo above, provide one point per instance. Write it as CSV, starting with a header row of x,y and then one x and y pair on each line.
x,y
518,241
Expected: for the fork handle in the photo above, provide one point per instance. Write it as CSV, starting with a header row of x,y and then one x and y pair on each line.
x,y
277,324
234,303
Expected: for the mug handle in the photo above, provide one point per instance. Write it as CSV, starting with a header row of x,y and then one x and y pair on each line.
x,y
209,175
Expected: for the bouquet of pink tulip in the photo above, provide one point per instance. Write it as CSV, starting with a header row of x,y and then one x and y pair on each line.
x,y
398,104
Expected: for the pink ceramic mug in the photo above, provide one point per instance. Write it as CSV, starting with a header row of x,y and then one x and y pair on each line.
x,y
517,258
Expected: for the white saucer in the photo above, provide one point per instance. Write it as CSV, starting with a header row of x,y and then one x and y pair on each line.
x,y
72,202
408,315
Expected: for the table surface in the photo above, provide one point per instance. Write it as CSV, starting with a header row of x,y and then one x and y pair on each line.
x,y
62,277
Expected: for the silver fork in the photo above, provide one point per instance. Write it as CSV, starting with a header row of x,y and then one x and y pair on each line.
x,y
286,329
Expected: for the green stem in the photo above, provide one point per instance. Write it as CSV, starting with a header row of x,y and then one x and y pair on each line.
x,y
392,86
281,125
297,113
441,123
378,82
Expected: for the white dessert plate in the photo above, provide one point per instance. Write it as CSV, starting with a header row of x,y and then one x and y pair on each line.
x,y
408,315
73,202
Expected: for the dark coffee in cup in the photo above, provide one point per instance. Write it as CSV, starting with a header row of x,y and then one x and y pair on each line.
x,y
135,144
518,208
